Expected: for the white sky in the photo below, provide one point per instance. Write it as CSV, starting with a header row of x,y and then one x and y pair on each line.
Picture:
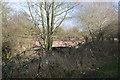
x,y
65,0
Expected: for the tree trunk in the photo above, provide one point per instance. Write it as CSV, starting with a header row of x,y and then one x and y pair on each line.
x,y
49,43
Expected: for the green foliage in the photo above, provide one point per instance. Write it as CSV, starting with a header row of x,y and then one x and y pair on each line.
x,y
109,70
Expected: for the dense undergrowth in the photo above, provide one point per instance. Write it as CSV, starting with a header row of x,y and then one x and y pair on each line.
x,y
91,60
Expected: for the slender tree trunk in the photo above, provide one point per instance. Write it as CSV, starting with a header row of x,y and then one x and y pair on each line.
x,y
49,43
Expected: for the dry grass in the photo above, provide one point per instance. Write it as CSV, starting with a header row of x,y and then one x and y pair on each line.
x,y
66,62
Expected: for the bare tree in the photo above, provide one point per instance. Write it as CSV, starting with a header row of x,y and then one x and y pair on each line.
x,y
47,17
73,31
96,16
6,40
